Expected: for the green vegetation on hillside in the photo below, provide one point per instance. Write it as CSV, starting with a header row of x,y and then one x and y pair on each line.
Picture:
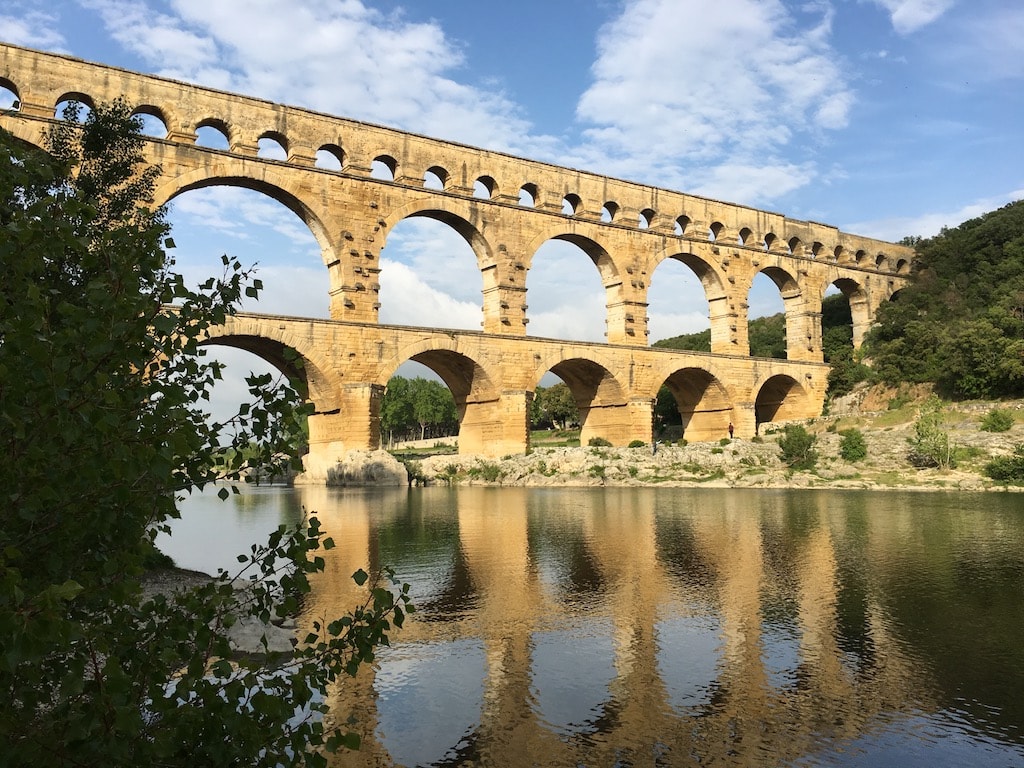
x,y
960,324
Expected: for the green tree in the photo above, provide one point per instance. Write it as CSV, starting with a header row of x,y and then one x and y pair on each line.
x,y
797,447
100,430
853,446
558,404
433,407
931,446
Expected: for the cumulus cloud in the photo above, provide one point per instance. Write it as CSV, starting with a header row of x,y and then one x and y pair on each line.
x,y
685,88
910,15
31,28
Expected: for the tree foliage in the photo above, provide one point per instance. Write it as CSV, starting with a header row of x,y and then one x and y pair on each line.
x,y
554,406
418,408
101,430
960,324
797,447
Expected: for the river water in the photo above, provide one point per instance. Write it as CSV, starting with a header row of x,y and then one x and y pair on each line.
x,y
667,626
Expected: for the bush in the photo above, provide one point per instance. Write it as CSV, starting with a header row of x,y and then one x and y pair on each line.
x,y
797,446
599,442
1008,469
724,441
931,446
852,446
997,420
637,444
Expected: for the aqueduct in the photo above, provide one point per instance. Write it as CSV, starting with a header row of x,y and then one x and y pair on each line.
x,y
505,208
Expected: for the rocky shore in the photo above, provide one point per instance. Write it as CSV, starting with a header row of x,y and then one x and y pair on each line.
x,y
755,463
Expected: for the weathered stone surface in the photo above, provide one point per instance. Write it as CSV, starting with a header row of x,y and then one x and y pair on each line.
x,y
347,362
357,468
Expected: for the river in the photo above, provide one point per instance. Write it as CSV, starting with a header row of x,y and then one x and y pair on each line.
x,y
647,626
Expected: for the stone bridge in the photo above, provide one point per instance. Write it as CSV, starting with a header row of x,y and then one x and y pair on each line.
x,y
352,182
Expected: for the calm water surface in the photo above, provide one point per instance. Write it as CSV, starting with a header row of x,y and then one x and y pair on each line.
x,y
601,627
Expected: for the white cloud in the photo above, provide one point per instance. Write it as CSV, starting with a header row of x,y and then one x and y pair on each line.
x,y
405,299
929,224
910,15
32,29
684,84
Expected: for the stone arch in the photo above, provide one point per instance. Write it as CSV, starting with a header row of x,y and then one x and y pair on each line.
x,y
295,360
571,204
10,86
860,306
600,397
269,182
780,397
607,271
477,399
332,153
82,98
277,138
486,186
454,213
439,173
792,303
155,112
715,293
706,406
388,163
218,125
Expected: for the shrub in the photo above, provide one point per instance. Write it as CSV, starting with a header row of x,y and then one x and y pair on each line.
x,y
717,450
596,470
637,444
724,441
931,446
797,446
852,446
1008,469
997,420
599,442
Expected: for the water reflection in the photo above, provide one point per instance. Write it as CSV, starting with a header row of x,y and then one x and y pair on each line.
x,y
678,626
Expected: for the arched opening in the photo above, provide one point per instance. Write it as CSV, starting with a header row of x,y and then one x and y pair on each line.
x,y
272,146
383,167
469,409
154,123
528,195
430,273
844,321
715,231
770,241
581,394
73,106
679,315
483,188
418,411
780,398
766,313
608,211
702,409
330,157
646,218
9,98
565,292
435,178
257,230
571,204
212,134
682,226
745,235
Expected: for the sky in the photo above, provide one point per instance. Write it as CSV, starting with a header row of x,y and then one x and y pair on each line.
x,y
886,118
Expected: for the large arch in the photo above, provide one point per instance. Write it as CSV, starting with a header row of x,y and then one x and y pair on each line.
x,y
600,399
706,407
781,398
267,182
720,315
477,399
585,304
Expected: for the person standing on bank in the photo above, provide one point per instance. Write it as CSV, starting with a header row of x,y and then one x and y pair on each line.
x,y
730,430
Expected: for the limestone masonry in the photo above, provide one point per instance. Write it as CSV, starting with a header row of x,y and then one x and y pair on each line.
x,y
506,208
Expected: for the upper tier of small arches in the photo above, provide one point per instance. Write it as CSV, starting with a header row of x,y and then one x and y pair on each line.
x,y
253,127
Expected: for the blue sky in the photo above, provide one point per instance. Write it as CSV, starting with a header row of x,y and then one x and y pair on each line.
x,y
884,117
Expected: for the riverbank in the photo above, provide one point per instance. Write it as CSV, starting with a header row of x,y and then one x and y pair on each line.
x,y
756,463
